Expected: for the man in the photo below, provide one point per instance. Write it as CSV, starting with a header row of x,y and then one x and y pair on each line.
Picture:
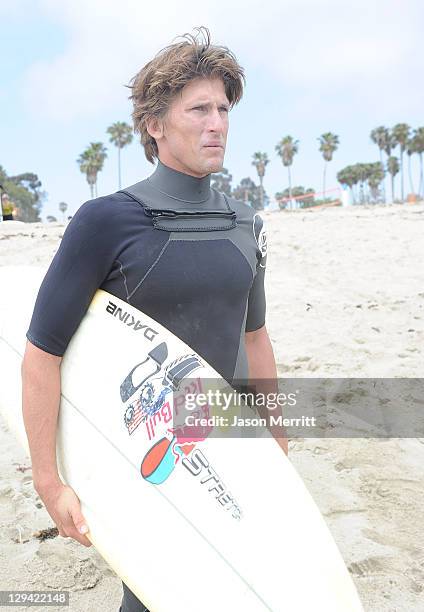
x,y
7,208
201,275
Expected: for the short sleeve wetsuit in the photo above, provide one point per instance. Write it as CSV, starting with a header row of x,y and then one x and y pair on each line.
x,y
202,282
205,286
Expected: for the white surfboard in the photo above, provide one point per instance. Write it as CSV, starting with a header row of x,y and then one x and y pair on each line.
x,y
190,525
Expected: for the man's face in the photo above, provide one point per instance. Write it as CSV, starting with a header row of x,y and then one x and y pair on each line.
x,y
192,136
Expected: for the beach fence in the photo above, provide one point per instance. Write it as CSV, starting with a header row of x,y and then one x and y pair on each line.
x,y
336,196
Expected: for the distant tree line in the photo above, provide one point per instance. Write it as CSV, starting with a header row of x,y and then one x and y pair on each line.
x,y
365,180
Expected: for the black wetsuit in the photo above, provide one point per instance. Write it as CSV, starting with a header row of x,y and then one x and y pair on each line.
x,y
154,245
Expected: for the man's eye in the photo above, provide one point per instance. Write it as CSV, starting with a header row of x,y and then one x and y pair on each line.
x,y
203,108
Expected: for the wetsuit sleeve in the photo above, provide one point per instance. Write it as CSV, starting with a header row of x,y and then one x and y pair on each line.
x,y
79,267
256,306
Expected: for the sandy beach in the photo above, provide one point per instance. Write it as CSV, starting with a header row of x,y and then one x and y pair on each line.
x,y
345,298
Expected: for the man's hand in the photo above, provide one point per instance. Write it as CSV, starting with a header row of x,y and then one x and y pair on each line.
x,y
40,407
63,505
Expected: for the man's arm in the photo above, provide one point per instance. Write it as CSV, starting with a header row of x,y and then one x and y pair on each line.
x,y
40,409
263,373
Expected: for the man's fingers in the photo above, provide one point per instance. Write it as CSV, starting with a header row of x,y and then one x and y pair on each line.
x,y
64,508
82,539
78,519
71,532
78,525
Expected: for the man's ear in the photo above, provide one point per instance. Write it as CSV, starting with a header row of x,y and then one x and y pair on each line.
x,y
154,127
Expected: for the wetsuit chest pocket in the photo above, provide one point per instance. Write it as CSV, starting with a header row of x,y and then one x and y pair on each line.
x,y
191,221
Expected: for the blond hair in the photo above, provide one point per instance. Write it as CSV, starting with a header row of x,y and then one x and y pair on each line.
x,y
156,84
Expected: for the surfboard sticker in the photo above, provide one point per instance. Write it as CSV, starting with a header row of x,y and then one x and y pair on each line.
x,y
159,462
148,391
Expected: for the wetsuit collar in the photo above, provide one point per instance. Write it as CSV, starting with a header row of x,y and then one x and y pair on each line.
x,y
180,186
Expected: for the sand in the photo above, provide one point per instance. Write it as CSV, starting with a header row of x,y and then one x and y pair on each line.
x,y
345,298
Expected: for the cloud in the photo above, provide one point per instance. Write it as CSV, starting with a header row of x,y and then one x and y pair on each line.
x,y
108,44
325,46
14,8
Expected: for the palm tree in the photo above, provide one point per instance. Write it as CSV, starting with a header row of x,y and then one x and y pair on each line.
x,y
222,181
120,135
382,138
87,167
393,169
368,176
63,208
281,200
347,176
287,149
401,136
248,192
91,163
260,161
363,172
328,144
419,149
306,195
411,148
375,176
98,152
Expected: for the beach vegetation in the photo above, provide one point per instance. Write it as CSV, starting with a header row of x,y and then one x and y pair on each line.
x,y
401,135
91,163
24,190
260,161
328,144
287,148
121,135
251,194
222,181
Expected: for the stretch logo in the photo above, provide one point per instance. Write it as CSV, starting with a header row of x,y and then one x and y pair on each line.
x,y
260,237
128,319
198,465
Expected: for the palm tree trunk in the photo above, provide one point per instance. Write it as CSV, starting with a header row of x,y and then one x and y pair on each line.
x,y
323,182
393,189
95,187
91,190
361,192
401,176
290,189
411,184
421,176
119,167
383,180
261,181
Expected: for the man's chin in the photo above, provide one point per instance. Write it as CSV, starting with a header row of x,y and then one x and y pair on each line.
x,y
211,166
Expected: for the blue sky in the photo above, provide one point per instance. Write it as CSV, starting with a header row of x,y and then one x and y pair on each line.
x,y
312,66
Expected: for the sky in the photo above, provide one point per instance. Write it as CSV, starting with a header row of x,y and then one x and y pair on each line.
x,y
312,66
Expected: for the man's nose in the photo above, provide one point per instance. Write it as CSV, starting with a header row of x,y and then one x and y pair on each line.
x,y
216,121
